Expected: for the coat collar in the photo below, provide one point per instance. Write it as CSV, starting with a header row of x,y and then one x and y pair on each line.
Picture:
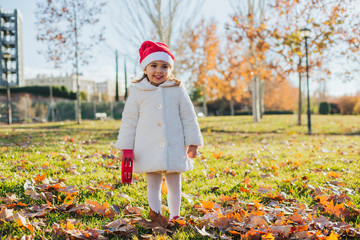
x,y
145,85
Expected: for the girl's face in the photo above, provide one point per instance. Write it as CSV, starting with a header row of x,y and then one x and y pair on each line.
x,y
157,72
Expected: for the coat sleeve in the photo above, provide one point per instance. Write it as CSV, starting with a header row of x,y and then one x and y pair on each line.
x,y
130,117
189,121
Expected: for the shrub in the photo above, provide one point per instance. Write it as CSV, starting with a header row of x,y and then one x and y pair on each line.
x,y
347,104
334,108
324,108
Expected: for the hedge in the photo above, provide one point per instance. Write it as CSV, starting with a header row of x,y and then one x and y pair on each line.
x,y
60,92
274,112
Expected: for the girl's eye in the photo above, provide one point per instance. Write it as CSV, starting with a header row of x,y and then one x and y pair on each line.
x,y
153,65
165,66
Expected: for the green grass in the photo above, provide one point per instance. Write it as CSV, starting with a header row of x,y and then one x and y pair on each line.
x,y
274,153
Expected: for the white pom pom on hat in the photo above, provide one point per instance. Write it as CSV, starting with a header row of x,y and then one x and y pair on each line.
x,y
155,51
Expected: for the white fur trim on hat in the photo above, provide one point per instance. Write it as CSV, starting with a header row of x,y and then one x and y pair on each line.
x,y
157,56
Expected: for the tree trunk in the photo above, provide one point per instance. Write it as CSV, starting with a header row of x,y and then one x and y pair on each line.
x,y
52,104
232,110
116,77
300,103
205,102
256,99
125,81
78,104
261,95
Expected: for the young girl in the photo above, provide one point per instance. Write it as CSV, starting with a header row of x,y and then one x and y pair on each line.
x,y
159,123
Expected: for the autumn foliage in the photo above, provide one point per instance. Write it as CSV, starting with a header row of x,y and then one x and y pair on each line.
x,y
349,104
262,48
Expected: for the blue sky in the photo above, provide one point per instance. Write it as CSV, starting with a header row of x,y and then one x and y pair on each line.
x,y
102,67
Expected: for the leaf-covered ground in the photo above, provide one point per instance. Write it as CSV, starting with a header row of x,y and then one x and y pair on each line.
x,y
268,180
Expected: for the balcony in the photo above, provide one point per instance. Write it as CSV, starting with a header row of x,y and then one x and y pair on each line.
x,y
8,27
8,43
6,16
11,57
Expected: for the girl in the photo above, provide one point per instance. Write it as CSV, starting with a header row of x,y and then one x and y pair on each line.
x,y
159,123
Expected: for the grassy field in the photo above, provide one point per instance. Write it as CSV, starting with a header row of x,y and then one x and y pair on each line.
x,y
267,180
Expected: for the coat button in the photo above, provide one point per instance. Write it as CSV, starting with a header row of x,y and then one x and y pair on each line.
x,y
162,144
158,106
160,124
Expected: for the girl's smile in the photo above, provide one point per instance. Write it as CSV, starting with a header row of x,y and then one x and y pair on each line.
x,y
157,72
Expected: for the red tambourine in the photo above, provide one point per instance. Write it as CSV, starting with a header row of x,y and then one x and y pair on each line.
x,y
127,166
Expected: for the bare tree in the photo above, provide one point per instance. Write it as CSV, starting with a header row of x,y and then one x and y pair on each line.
x,y
61,26
138,20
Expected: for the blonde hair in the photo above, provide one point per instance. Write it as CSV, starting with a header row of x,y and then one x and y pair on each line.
x,y
171,78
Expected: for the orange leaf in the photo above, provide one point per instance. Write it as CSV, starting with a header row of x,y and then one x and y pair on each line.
x,y
337,210
180,222
218,155
269,236
208,204
333,174
244,190
69,226
40,178
234,232
225,198
247,181
333,236
70,198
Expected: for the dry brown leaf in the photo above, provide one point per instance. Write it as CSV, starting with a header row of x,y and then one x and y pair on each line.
x,y
252,235
102,209
284,230
221,222
136,211
6,214
121,227
257,222
157,223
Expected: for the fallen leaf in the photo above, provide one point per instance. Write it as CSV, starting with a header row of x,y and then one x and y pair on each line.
x,y
203,232
332,236
268,236
6,214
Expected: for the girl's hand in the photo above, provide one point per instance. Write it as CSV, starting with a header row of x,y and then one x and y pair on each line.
x,y
192,151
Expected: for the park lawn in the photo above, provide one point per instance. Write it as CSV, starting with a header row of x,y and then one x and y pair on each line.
x,y
248,178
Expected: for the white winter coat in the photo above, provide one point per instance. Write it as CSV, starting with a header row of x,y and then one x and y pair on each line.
x,y
158,122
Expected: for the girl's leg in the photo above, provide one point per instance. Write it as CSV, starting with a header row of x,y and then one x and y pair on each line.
x,y
154,181
173,183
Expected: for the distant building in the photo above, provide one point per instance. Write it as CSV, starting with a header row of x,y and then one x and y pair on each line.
x,y
85,85
11,48
108,87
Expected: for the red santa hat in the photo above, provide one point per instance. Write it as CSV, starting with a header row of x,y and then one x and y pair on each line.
x,y
155,51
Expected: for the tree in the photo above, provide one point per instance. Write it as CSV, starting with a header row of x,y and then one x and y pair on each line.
x,y
249,27
138,20
280,95
62,27
326,19
230,82
198,56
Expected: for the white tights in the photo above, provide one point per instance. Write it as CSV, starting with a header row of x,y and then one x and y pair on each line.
x,y
173,183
